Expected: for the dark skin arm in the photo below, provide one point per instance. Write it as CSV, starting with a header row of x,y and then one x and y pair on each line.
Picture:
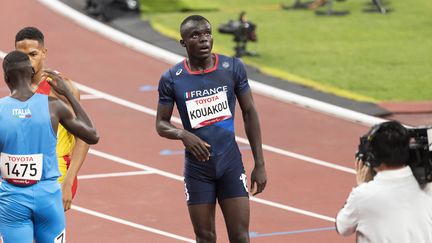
x,y
78,156
253,132
79,125
192,143
79,150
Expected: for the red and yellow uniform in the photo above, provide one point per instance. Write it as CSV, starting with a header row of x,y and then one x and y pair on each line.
x,y
65,142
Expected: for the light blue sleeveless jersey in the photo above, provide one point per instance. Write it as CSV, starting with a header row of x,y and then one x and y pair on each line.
x,y
25,128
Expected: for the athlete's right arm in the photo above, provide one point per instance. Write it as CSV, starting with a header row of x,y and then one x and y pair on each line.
x,y
79,125
166,129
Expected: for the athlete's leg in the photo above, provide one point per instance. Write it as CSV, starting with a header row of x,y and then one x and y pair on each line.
x,y
17,233
201,198
16,203
236,213
203,221
49,216
232,193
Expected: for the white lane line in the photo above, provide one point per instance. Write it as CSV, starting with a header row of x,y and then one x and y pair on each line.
x,y
134,164
180,178
118,174
292,209
89,97
129,223
172,58
177,120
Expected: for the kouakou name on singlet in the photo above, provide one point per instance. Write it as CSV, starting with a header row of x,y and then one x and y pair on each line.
x,y
27,141
206,100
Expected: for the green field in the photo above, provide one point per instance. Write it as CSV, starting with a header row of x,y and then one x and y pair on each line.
x,y
364,56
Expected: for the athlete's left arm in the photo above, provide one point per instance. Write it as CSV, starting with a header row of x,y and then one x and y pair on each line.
x,y
253,132
78,155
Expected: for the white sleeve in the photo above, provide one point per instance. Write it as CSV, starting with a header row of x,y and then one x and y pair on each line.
x,y
347,218
428,189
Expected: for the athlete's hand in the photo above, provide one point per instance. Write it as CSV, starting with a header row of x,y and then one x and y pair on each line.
x,y
56,82
258,177
67,196
196,146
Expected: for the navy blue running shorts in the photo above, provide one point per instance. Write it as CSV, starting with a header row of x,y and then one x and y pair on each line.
x,y
221,177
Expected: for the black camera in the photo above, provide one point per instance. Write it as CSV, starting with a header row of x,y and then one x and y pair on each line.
x,y
107,10
243,31
420,152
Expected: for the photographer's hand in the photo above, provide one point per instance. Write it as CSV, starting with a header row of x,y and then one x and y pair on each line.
x,y
364,173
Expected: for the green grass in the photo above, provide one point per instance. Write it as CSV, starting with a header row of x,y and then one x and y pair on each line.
x,y
364,56
176,5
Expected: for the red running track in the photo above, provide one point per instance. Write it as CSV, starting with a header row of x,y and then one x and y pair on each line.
x,y
150,206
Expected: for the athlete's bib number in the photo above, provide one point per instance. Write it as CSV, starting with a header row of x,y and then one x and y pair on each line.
x,y
208,110
21,169
61,238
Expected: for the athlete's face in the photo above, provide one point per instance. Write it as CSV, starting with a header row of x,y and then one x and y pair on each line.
x,y
35,51
198,39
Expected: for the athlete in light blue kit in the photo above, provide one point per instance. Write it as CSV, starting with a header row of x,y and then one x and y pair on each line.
x,y
204,88
31,205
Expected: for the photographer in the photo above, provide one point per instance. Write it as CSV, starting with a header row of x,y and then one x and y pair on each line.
x,y
391,206
243,31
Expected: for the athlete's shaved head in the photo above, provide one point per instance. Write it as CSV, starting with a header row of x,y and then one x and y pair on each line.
x,y
15,60
192,18
15,64
30,33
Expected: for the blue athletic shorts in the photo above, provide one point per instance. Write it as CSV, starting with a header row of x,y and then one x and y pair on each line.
x,y
33,212
221,177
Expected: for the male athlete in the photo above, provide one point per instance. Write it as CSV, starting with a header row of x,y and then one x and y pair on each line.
x,y
71,152
204,87
30,197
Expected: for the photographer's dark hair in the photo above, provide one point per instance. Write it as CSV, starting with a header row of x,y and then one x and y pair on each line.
x,y
390,144
30,33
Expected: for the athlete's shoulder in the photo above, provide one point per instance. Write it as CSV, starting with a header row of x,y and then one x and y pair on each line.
x,y
238,62
178,69
222,58
229,63
40,96
174,71
4,100
72,86
68,81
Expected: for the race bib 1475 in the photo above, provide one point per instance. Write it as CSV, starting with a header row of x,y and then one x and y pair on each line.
x,y
21,169
208,110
